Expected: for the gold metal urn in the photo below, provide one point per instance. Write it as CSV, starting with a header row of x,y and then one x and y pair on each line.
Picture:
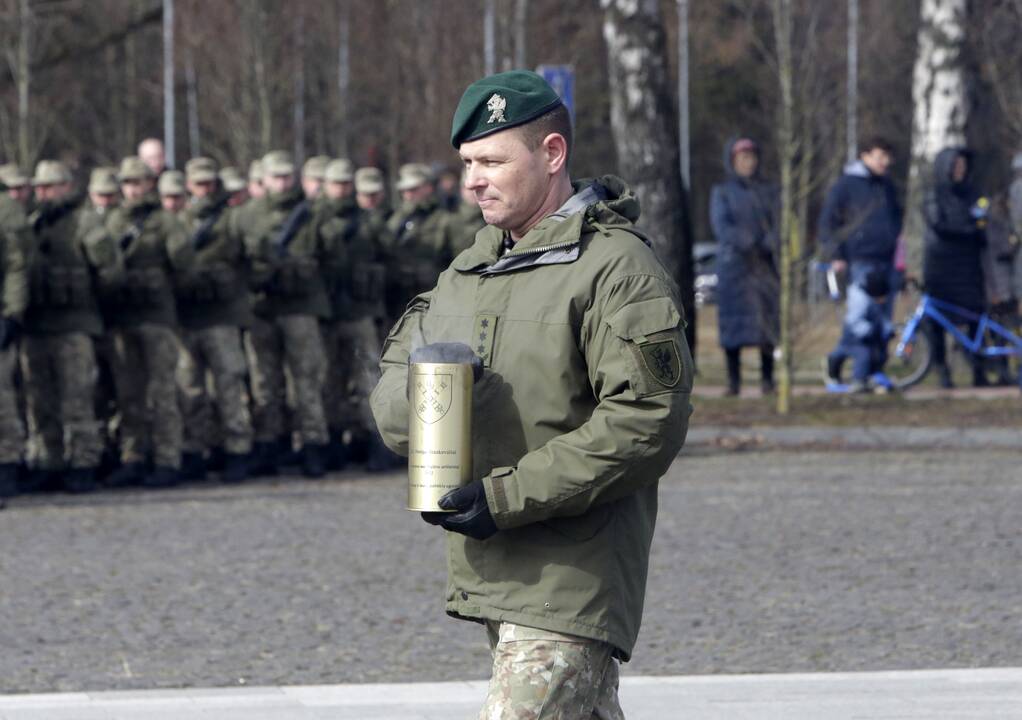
x,y
439,432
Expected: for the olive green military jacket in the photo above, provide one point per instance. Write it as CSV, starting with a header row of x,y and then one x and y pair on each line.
x,y
419,244
468,220
14,234
214,291
68,256
582,407
291,279
155,251
359,292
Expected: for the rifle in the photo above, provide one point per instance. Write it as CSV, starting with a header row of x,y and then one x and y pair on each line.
x,y
291,227
136,227
203,234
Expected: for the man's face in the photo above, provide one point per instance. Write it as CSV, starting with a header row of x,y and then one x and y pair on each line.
x,y
21,193
256,189
369,201
510,182
417,194
151,153
173,203
103,201
877,161
745,163
237,198
338,190
960,169
277,184
311,186
202,189
51,192
133,190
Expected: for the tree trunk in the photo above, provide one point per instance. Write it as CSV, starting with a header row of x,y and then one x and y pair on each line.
x,y
643,127
344,75
24,84
521,32
786,154
940,106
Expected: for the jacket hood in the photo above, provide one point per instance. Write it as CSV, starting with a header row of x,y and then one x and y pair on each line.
x,y
728,161
617,203
944,163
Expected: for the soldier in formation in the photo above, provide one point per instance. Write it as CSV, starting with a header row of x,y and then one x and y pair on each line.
x,y
161,325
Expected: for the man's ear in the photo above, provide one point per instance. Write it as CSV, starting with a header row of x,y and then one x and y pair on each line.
x,y
555,149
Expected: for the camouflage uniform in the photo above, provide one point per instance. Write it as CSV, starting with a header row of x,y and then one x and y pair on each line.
x,y
543,674
142,312
285,342
352,339
13,239
213,307
69,247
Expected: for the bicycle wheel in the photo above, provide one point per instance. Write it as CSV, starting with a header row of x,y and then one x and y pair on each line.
x,y
914,363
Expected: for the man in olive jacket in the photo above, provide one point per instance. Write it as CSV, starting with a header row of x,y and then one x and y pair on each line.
x,y
142,314
213,306
582,404
68,256
13,300
289,258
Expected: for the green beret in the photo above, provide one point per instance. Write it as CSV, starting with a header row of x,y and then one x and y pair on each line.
x,y
499,102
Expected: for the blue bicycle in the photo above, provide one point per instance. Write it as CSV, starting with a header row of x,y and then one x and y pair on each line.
x,y
913,356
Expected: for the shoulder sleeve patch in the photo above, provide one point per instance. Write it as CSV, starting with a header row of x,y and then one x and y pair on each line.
x,y
662,361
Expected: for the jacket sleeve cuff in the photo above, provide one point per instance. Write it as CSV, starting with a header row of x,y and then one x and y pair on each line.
x,y
496,487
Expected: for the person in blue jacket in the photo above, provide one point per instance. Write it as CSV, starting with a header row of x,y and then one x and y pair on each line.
x,y
743,215
861,219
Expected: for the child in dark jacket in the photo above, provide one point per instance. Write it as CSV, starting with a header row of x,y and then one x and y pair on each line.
x,y
865,333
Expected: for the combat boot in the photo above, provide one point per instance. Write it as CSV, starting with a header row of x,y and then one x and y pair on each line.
x,y
193,466
235,468
381,458
314,461
337,452
162,477
9,479
216,460
127,475
80,480
263,460
38,480
287,456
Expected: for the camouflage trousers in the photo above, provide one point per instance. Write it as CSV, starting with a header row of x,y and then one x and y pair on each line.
x,y
540,675
285,350
353,351
60,377
143,361
12,432
211,374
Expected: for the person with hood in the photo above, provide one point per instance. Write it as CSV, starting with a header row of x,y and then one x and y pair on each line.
x,y
956,218
581,403
743,214
861,219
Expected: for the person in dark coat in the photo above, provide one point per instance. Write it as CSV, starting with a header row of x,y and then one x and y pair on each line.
x,y
861,219
955,217
743,214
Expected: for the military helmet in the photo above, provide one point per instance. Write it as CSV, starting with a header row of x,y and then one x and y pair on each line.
x,y
369,180
278,162
103,181
341,171
132,168
315,167
51,172
200,170
172,182
412,175
13,176
232,180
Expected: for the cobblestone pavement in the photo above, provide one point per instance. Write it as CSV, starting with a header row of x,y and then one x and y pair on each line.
x,y
763,562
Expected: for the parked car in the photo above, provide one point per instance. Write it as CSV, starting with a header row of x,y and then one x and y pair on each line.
x,y
705,256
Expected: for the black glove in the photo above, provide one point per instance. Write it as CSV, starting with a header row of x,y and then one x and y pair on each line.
x,y
473,517
449,352
9,332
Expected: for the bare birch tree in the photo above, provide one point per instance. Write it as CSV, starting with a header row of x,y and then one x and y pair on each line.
x,y
643,127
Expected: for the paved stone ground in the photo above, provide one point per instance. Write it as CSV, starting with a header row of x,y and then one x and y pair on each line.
x,y
763,562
